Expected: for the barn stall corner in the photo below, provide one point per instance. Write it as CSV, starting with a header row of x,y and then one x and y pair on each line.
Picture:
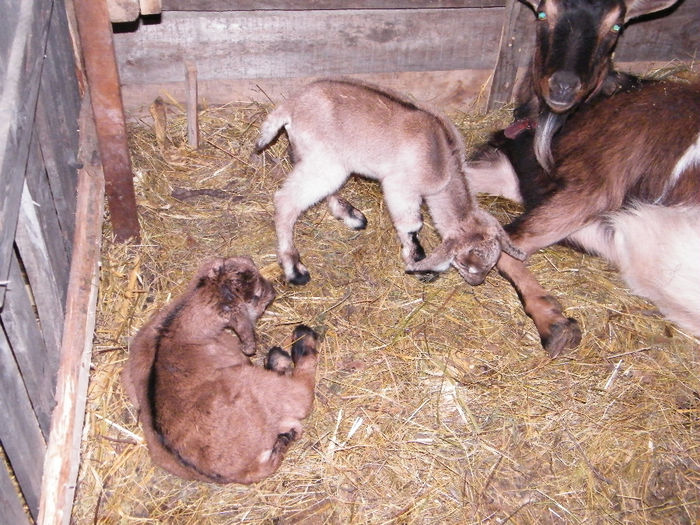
x,y
434,401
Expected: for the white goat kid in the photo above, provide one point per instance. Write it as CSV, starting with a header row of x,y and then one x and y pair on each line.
x,y
337,128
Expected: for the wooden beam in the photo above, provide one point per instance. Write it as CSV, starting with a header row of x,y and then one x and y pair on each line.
x,y
283,5
192,115
103,83
63,450
509,56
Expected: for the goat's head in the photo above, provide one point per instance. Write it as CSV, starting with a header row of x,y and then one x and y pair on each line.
x,y
473,252
574,45
236,282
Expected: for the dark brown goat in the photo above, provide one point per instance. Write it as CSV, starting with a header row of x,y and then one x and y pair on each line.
x,y
625,184
572,62
208,413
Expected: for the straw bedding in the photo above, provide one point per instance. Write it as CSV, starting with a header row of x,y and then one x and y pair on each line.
x,y
435,402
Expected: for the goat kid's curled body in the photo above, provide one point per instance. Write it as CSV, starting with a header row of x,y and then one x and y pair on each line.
x,y
207,413
337,128
625,185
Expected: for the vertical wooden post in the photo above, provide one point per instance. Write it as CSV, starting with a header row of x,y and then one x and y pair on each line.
x,y
507,63
192,116
103,83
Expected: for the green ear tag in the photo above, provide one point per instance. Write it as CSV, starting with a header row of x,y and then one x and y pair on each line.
x,y
541,15
616,28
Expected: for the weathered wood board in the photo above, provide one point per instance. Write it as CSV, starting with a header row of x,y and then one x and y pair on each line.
x,y
273,47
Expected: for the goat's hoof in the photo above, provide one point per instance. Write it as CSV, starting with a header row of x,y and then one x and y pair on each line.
x,y
278,360
359,221
305,340
300,278
563,335
426,277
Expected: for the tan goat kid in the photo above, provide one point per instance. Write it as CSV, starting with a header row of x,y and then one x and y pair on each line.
x,y
337,128
208,413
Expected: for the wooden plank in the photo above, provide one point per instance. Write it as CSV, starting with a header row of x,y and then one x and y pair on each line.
x,y
510,49
46,215
670,35
28,346
18,95
273,44
19,433
449,91
192,113
103,81
34,256
63,453
305,5
57,122
11,502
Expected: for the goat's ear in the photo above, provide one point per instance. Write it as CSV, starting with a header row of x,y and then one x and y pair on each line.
x,y
532,3
510,248
438,261
637,8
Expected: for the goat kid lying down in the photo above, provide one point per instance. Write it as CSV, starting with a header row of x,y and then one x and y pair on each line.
x,y
625,185
207,413
337,128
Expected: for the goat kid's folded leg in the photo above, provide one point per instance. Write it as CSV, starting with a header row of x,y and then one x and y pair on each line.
x,y
557,332
346,212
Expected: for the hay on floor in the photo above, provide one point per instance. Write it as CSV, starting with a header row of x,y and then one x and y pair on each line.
x,y
435,402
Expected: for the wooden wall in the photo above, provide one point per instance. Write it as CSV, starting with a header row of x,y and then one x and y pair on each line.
x,y
441,51
39,108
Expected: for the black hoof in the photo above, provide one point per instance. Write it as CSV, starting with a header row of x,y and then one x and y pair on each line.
x,y
426,277
300,278
563,335
304,342
363,222
278,360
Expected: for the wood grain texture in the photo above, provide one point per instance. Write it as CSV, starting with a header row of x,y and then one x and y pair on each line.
x,y
280,46
286,5
12,503
19,433
271,44
36,365
22,59
63,451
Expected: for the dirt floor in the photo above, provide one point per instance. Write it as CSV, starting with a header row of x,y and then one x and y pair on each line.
x,y
435,402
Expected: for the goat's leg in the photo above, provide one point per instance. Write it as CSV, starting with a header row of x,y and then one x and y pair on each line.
x,y
346,212
308,183
406,216
557,333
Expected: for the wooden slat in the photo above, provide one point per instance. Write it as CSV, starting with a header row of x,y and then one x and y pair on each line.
x,y
19,432
47,216
273,44
103,81
284,5
11,502
63,453
509,56
57,123
28,347
18,95
34,255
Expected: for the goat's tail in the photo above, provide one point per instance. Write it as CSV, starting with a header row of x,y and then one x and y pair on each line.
x,y
271,127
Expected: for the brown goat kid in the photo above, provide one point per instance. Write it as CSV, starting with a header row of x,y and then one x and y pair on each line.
x,y
207,413
338,128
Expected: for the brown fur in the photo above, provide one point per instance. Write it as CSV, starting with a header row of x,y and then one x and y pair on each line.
x,y
207,413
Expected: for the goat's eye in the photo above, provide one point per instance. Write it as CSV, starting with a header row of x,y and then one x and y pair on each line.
x,y
616,28
541,15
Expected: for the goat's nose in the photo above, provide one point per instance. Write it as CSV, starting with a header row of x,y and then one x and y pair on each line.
x,y
563,87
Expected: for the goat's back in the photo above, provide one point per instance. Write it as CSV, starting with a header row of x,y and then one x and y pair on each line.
x,y
642,144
